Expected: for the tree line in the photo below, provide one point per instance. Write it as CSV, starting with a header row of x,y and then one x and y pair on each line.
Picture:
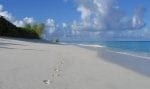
x,y
30,31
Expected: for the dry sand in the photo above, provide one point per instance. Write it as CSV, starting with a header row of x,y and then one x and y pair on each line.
x,y
31,65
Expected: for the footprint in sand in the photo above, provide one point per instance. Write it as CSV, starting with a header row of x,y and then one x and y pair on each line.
x,y
47,82
56,73
56,70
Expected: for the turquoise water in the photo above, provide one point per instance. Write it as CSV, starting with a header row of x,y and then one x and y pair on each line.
x,y
134,46
129,46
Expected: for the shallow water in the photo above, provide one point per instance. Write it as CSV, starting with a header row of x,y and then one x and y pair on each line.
x,y
133,46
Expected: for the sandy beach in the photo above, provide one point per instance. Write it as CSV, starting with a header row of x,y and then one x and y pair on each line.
x,y
37,65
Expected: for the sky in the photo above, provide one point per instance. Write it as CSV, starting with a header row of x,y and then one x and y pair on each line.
x,y
84,14
41,10
60,10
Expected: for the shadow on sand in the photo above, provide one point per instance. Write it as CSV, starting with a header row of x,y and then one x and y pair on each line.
x,y
7,43
25,40
20,49
6,48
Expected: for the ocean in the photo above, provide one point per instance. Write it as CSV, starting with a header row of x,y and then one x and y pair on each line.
x,y
133,46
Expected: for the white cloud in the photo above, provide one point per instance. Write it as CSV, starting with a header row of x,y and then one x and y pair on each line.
x,y
53,30
26,20
64,25
20,23
51,26
85,15
1,7
99,19
107,15
50,29
5,14
75,26
50,22
137,21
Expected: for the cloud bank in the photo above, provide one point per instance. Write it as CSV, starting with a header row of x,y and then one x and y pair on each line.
x,y
107,15
11,18
99,20
104,19
4,13
26,20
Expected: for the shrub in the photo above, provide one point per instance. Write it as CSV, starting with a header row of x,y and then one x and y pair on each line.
x,y
10,30
55,40
36,28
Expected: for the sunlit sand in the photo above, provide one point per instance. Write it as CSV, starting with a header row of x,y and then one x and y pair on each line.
x,y
35,65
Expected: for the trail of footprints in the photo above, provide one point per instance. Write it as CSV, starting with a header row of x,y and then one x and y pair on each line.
x,y
55,73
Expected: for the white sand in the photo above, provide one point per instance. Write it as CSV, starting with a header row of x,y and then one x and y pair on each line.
x,y
29,65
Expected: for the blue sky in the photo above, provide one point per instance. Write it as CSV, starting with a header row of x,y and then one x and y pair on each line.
x,y
59,10
42,9
103,16
129,5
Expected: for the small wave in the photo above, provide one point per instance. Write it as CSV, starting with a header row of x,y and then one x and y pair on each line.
x,y
138,55
86,45
83,45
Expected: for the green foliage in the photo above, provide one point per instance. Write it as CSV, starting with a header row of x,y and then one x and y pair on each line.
x,y
28,26
10,30
37,28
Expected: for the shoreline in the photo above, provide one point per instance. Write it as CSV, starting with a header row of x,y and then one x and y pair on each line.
x,y
144,55
135,61
29,65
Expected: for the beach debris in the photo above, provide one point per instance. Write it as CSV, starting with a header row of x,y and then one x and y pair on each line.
x,y
47,81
